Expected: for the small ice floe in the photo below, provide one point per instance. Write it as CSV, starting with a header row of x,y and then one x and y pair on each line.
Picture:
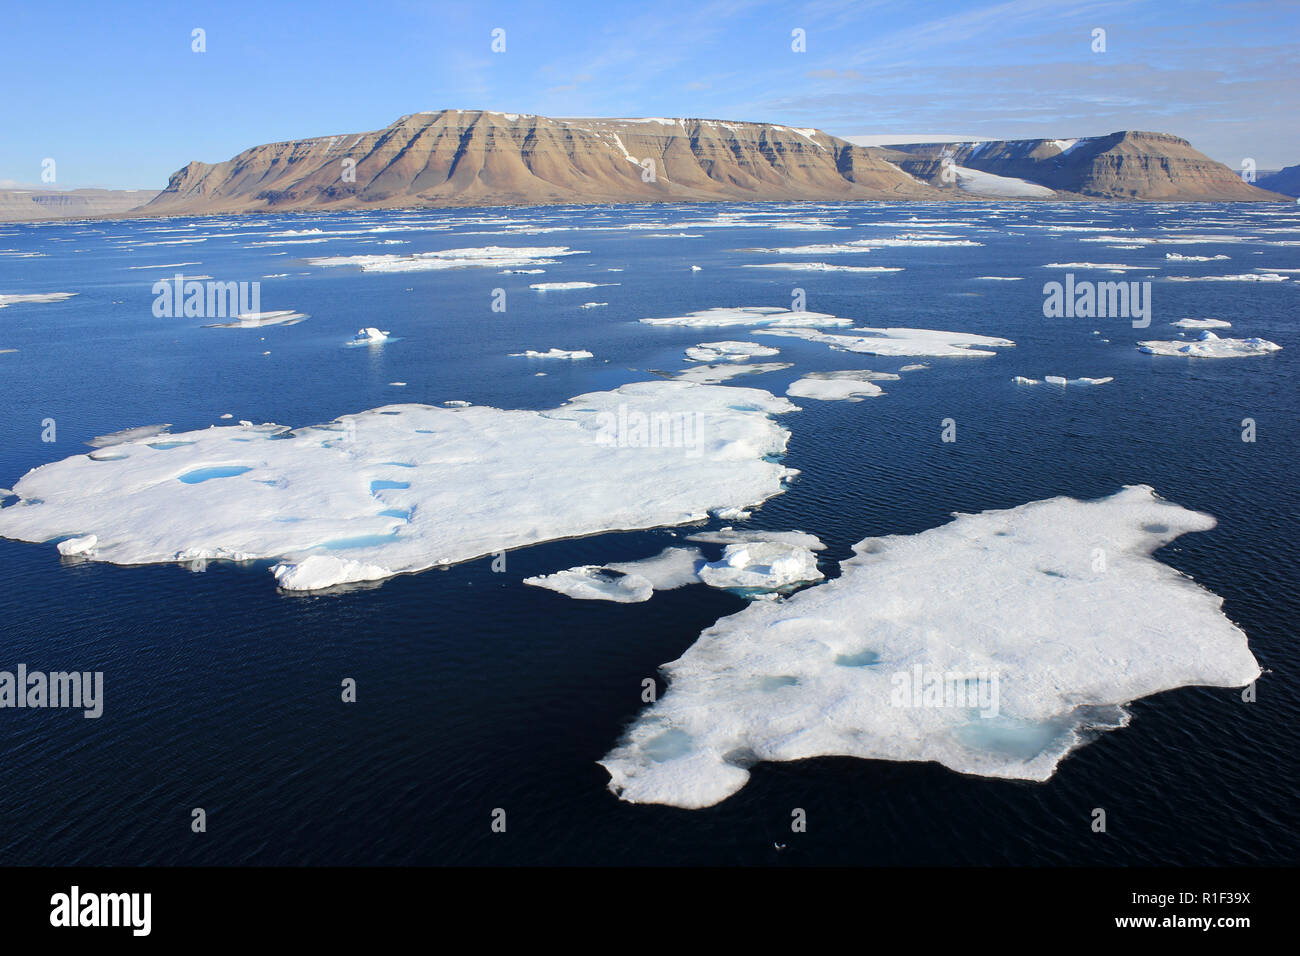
x,y
695,269
1021,380
629,582
1098,266
900,341
758,316
127,435
20,298
999,278
257,320
554,354
729,351
82,545
522,272
930,647
397,385
845,385
1209,345
565,286
1244,277
1201,324
1179,257
592,305
370,336
913,368
716,374
820,267
227,415
7,351
1062,381
762,565
497,257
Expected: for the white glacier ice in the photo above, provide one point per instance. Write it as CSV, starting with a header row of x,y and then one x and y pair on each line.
x,y
1055,608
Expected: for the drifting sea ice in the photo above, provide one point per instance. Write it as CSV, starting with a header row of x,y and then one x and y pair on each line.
x,y
845,385
1201,324
716,374
20,298
492,257
370,336
257,320
554,354
899,342
1017,602
729,351
629,582
1209,345
760,316
408,487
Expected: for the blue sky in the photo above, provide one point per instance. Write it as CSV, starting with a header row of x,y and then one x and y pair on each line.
x,y
115,95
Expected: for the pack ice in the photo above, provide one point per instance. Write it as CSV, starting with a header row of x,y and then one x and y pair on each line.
x,y
407,487
1058,604
1209,345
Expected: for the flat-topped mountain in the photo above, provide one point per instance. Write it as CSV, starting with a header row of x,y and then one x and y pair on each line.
x,y
464,158
1124,165
28,205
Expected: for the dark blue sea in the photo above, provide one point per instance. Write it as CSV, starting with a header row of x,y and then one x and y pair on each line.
x,y
476,692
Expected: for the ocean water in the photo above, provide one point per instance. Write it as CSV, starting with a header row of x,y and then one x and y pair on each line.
x,y
476,692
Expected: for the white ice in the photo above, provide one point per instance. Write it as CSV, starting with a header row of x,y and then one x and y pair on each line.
x,y
1209,345
845,385
754,316
1054,612
493,257
873,341
408,487
20,298
1201,324
729,351
554,354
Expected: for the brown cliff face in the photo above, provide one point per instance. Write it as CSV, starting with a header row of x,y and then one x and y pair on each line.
x,y
1123,165
463,158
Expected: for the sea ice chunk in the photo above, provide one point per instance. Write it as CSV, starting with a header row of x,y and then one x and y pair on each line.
x,y
1017,600
1209,345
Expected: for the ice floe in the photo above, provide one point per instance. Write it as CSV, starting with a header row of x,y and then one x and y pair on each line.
x,y
554,354
565,286
716,374
629,582
821,267
370,336
21,298
1201,324
993,645
844,385
899,341
729,351
493,257
1209,345
408,487
754,316
257,320
1244,277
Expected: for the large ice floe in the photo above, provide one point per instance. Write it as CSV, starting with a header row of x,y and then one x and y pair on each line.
x,y
993,645
873,341
408,487
492,257
1209,345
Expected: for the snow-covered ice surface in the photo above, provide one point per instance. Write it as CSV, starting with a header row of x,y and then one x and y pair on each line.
x,y
1244,277
370,336
565,286
729,351
1201,324
898,341
988,184
628,582
1015,601
1209,345
821,267
1061,380
257,320
408,487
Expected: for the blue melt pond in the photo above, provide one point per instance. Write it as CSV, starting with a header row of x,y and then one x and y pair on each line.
x,y
385,485
207,474
360,541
